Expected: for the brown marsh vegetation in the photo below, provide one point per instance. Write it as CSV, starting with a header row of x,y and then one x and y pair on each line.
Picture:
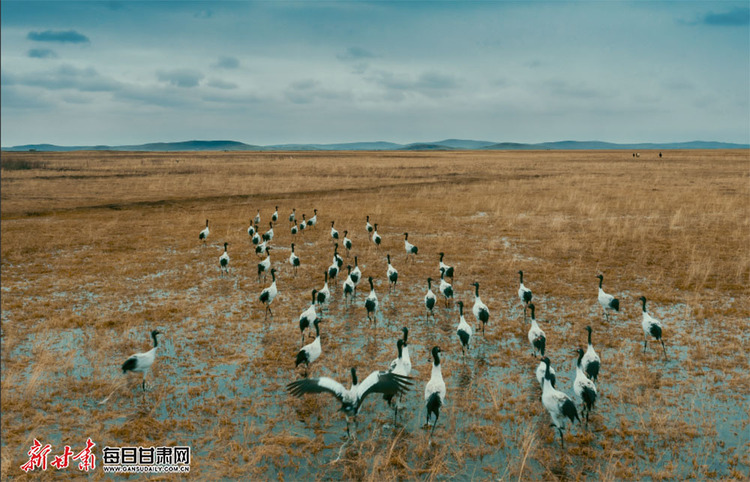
x,y
98,248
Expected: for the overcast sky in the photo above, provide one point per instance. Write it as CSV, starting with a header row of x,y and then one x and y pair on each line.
x,y
83,73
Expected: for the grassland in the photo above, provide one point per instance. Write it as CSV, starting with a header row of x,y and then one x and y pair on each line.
x,y
99,248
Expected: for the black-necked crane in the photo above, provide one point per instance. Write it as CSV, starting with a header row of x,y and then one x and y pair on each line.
x,y
584,387
268,294
203,235
444,267
434,391
355,275
333,271
400,366
324,294
429,299
392,274
293,216
558,404
607,301
408,247
480,310
257,217
591,361
336,257
371,302
275,215
265,265
303,224
313,221
541,370
224,260
141,362
369,227
524,294
387,383
307,317
376,237
404,359
256,237
310,352
348,285
294,229
464,329
334,233
268,235
536,335
260,250
251,230
651,327
294,260
445,288
347,243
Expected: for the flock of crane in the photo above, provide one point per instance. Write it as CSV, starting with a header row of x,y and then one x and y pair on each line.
x,y
396,380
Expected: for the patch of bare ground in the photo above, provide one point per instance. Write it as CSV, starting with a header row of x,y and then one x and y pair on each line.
x,y
99,248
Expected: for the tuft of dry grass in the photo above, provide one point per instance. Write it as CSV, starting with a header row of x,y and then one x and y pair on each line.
x,y
98,248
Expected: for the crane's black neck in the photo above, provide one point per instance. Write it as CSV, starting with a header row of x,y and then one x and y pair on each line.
x,y
532,307
400,347
406,335
429,283
461,308
436,357
476,289
520,274
643,300
589,330
355,261
601,279
354,376
153,335
314,292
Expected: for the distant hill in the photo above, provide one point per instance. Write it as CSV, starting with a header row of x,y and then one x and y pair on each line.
x,y
447,144
462,143
348,146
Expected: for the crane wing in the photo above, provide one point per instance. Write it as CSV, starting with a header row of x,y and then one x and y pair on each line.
x,y
387,383
317,385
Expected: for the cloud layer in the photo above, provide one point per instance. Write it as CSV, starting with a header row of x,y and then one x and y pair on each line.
x,y
269,73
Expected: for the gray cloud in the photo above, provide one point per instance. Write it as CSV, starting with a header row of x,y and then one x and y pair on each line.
x,y
576,90
309,90
180,77
42,54
152,96
430,84
15,97
67,36
227,63
355,53
736,17
69,77
221,84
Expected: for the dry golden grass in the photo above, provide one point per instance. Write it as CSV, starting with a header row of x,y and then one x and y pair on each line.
x,y
100,247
